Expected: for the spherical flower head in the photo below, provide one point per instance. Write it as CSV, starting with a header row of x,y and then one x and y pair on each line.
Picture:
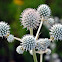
x,y
20,50
47,57
57,60
28,42
30,18
55,56
42,44
56,32
10,38
48,51
4,29
53,46
51,21
44,10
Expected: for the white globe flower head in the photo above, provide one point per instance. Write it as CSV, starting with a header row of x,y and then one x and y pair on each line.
x,y
56,19
47,57
44,10
42,44
28,42
53,46
48,51
20,50
51,21
30,18
56,32
4,29
55,56
57,60
10,38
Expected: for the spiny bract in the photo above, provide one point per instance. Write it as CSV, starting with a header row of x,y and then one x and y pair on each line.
x,y
30,18
4,29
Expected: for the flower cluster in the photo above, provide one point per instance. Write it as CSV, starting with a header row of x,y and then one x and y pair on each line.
x,y
30,19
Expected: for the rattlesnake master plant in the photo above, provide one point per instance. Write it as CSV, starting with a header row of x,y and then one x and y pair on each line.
x,y
4,29
30,18
56,32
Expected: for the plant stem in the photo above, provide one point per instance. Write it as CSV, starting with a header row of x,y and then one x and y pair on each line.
x,y
37,35
41,55
34,53
18,39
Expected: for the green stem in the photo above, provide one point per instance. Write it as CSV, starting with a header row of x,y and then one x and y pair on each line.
x,y
34,53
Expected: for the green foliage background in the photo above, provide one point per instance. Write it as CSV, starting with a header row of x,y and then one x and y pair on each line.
x,y
10,13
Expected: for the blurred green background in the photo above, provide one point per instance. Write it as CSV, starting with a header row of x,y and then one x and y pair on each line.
x,y
10,11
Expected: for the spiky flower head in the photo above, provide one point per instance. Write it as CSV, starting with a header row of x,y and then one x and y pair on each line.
x,y
48,51
4,29
55,56
42,44
47,57
56,32
20,50
30,18
10,38
44,10
28,42
51,21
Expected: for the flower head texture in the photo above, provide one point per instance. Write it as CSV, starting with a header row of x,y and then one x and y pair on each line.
x,y
30,18
44,10
51,21
20,50
56,32
4,29
28,42
10,38
42,44
48,51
